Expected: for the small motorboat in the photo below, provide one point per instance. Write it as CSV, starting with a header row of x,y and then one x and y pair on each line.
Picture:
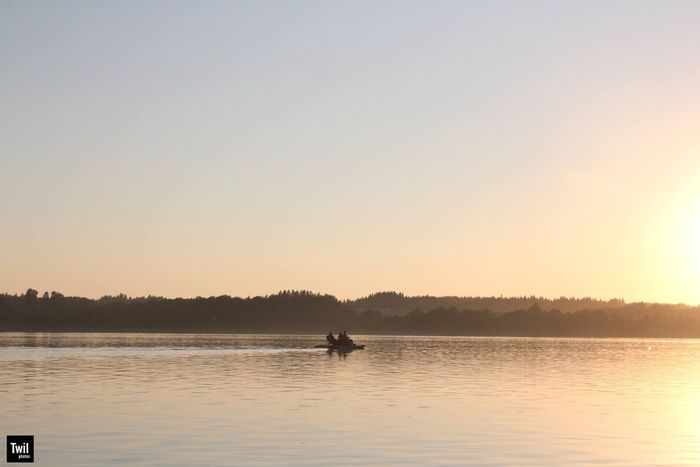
x,y
342,343
343,347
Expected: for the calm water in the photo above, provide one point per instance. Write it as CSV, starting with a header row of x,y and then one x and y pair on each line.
x,y
171,399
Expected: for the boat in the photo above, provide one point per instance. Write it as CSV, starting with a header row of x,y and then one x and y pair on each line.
x,y
342,347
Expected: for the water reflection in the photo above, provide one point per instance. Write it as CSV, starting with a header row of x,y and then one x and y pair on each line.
x,y
341,353
158,398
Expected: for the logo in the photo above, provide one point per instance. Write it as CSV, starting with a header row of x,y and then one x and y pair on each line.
x,y
20,448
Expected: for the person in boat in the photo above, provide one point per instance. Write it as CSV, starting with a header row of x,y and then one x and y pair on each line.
x,y
331,338
343,338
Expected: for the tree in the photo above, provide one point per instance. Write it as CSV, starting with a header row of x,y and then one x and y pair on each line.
x,y
31,295
56,295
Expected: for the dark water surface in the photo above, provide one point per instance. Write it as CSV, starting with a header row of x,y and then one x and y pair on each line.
x,y
174,399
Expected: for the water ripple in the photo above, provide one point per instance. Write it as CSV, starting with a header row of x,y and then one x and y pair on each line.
x,y
178,399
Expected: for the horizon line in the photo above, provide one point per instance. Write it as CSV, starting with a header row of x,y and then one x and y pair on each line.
x,y
501,296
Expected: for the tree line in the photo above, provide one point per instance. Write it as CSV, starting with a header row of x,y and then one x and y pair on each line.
x,y
398,303
308,312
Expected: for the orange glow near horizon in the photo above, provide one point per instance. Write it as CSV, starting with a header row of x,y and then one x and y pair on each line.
x,y
244,152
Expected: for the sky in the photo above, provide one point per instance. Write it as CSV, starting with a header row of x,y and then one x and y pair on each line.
x,y
446,148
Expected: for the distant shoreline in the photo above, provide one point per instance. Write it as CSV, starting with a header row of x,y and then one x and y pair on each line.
x,y
386,313
363,334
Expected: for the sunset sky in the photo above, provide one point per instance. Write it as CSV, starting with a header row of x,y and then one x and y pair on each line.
x,y
445,148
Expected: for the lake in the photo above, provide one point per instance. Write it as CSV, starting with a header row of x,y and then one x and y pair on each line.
x,y
223,399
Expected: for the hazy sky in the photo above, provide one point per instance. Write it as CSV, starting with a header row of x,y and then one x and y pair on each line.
x,y
459,148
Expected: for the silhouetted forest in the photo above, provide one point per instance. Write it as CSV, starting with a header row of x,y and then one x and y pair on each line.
x,y
397,303
307,312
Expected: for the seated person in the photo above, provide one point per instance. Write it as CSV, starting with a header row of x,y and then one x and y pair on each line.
x,y
345,339
331,338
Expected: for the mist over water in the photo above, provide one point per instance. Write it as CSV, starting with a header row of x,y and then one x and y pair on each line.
x,y
185,399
